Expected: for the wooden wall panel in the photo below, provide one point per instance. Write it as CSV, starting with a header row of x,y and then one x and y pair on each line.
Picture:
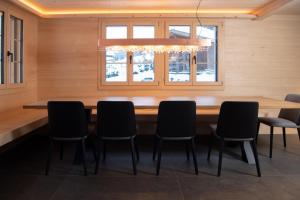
x,y
16,97
260,58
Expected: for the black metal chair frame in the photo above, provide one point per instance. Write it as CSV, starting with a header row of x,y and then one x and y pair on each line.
x,y
189,144
222,140
133,147
104,139
272,134
221,144
80,150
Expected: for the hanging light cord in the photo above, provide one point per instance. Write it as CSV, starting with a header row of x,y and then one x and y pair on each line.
x,y
197,14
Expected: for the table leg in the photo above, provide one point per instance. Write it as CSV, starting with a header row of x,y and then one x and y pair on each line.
x,y
249,152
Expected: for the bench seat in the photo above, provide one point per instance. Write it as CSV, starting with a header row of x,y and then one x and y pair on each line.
x,y
18,122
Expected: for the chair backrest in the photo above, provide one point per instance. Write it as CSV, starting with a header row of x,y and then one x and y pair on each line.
x,y
238,120
67,119
176,119
291,114
115,119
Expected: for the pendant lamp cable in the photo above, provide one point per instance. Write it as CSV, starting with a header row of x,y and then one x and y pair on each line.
x,y
197,14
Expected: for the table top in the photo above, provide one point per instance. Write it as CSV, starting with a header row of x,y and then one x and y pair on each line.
x,y
151,102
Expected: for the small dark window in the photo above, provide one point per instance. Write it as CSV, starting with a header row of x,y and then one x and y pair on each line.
x,y
16,71
1,47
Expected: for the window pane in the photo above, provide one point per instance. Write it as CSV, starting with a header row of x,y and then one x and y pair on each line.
x,y
179,67
116,61
143,62
116,72
143,32
116,32
207,59
16,50
116,66
179,32
179,63
143,66
116,57
1,48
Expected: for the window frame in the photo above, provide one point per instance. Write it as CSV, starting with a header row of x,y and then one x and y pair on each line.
x,y
103,54
219,76
161,60
3,35
156,63
22,76
129,81
166,66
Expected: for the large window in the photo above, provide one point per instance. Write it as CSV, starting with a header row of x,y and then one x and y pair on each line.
x,y
163,70
16,51
129,68
1,48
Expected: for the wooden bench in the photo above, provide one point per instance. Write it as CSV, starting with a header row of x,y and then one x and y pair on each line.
x,y
19,122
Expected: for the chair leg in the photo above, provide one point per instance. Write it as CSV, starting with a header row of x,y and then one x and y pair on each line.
x,y
95,150
159,156
133,153
78,153
187,151
211,140
244,157
98,157
221,146
83,156
258,126
154,148
256,158
271,141
49,157
298,129
103,150
61,151
194,156
284,136
136,150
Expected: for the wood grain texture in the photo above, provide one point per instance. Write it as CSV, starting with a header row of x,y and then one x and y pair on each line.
x,y
152,102
11,96
261,58
18,122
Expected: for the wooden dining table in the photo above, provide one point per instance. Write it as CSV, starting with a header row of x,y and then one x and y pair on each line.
x,y
149,104
206,105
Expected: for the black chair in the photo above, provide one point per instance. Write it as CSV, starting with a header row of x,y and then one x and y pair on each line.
x,y
237,122
116,121
67,123
287,118
176,121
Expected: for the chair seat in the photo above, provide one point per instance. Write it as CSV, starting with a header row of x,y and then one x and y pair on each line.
x,y
278,122
214,129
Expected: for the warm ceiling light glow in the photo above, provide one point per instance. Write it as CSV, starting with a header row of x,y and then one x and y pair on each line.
x,y
45,12
32,6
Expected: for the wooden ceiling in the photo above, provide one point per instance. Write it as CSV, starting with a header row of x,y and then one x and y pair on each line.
x,y
218,8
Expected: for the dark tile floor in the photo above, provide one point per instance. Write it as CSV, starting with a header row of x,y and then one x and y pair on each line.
x,y
22,173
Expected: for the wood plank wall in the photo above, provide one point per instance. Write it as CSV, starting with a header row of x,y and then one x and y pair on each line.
x,y
260,58
15,97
